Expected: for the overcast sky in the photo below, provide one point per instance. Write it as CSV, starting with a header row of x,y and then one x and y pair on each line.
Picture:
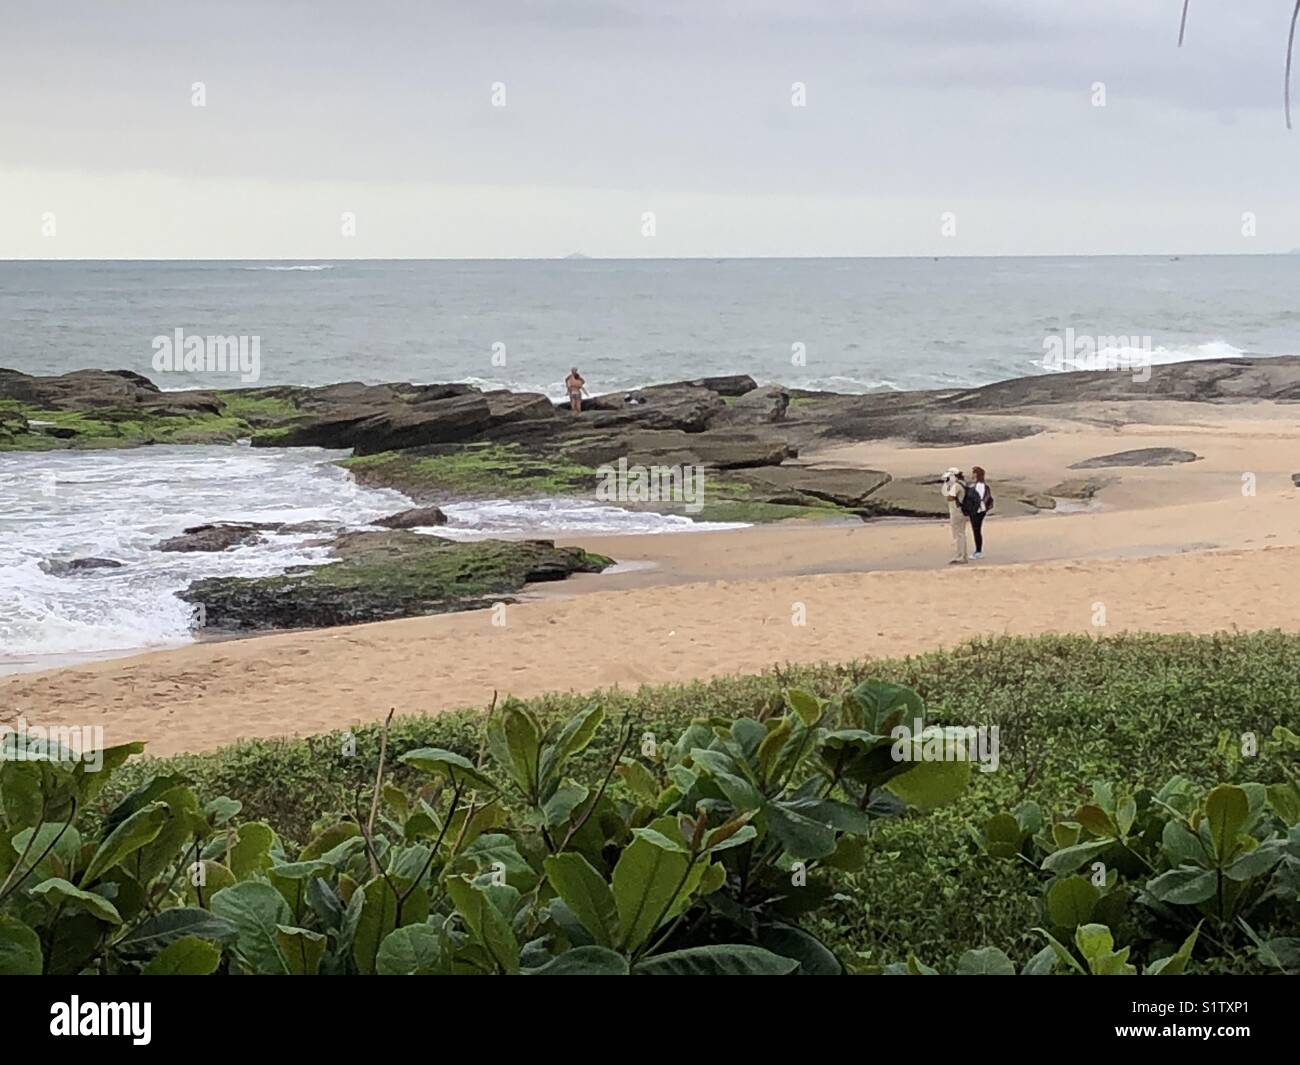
x,y
615,108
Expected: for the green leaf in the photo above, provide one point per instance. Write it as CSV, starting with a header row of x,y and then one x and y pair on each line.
x,y
378,919
415,950
928,785
485,922
887,704
71,899
187,956
645,880
800,836
251,852
157,933
723,959
586,893
20,949
1061,951
140,828
1184,886
302,950
1070,902
574,737
65,852
455,767
640,781
1175,964
584,961
987,961
1041,964
1068,859
808,707
1227,809
256,909
515,740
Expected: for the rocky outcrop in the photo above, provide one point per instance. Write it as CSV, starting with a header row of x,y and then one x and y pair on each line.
x,y
416,518
219,536
382,575
67,567
849,488
673,447
1142,456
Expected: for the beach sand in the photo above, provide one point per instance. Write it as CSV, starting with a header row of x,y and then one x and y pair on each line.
x,y
1180,548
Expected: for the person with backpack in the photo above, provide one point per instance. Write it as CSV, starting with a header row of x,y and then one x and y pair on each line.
x,y
979,500
955,492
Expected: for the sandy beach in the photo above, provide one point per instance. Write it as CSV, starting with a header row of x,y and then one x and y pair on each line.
x,y
1191,547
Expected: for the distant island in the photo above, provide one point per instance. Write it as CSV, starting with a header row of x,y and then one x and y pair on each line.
x,y
577,255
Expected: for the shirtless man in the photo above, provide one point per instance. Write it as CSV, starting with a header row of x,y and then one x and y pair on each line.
x,y
573,384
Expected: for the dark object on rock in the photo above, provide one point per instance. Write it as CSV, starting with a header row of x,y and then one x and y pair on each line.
x,y
218,537
1295,479
1083,488
381,575
1142,456
414,518
64,567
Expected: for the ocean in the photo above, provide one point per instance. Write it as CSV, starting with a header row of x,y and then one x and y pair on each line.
x,y
849,325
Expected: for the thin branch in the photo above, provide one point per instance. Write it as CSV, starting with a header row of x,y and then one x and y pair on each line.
x,y
379,781
591,806
1290,49
1182,26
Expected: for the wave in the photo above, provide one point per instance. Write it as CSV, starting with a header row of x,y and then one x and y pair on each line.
x,y
314,266
1130,356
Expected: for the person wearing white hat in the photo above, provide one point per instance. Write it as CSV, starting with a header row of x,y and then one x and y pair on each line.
x,y
954,491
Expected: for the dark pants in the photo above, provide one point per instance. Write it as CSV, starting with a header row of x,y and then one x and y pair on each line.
x,y
977,527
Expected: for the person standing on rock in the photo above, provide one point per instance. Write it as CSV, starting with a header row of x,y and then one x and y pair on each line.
x,y
574,385
979,503
954,491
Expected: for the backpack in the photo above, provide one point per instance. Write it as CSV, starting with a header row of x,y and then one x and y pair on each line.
x,y
970,502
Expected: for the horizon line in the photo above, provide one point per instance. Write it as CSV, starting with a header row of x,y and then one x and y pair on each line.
x,y
579,257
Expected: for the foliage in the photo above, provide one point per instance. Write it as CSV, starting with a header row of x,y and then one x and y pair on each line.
x,y
1071,709
504,863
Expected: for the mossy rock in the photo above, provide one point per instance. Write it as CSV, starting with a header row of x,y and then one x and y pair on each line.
x,y
382,575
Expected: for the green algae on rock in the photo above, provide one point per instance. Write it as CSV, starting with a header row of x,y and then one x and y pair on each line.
x,y
383,575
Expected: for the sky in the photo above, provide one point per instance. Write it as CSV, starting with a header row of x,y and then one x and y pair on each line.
x,y
643,128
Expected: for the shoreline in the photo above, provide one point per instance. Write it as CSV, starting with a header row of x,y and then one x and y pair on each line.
x,y
1178,546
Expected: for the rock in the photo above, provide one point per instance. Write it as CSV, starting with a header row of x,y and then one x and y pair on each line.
x,y
1142,456
846,487
1295,479
1080,487
415,518
220,536
64,567
668,447
381,575
505,407
920,497
761,405
368,429
731,385
92,389
686,408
